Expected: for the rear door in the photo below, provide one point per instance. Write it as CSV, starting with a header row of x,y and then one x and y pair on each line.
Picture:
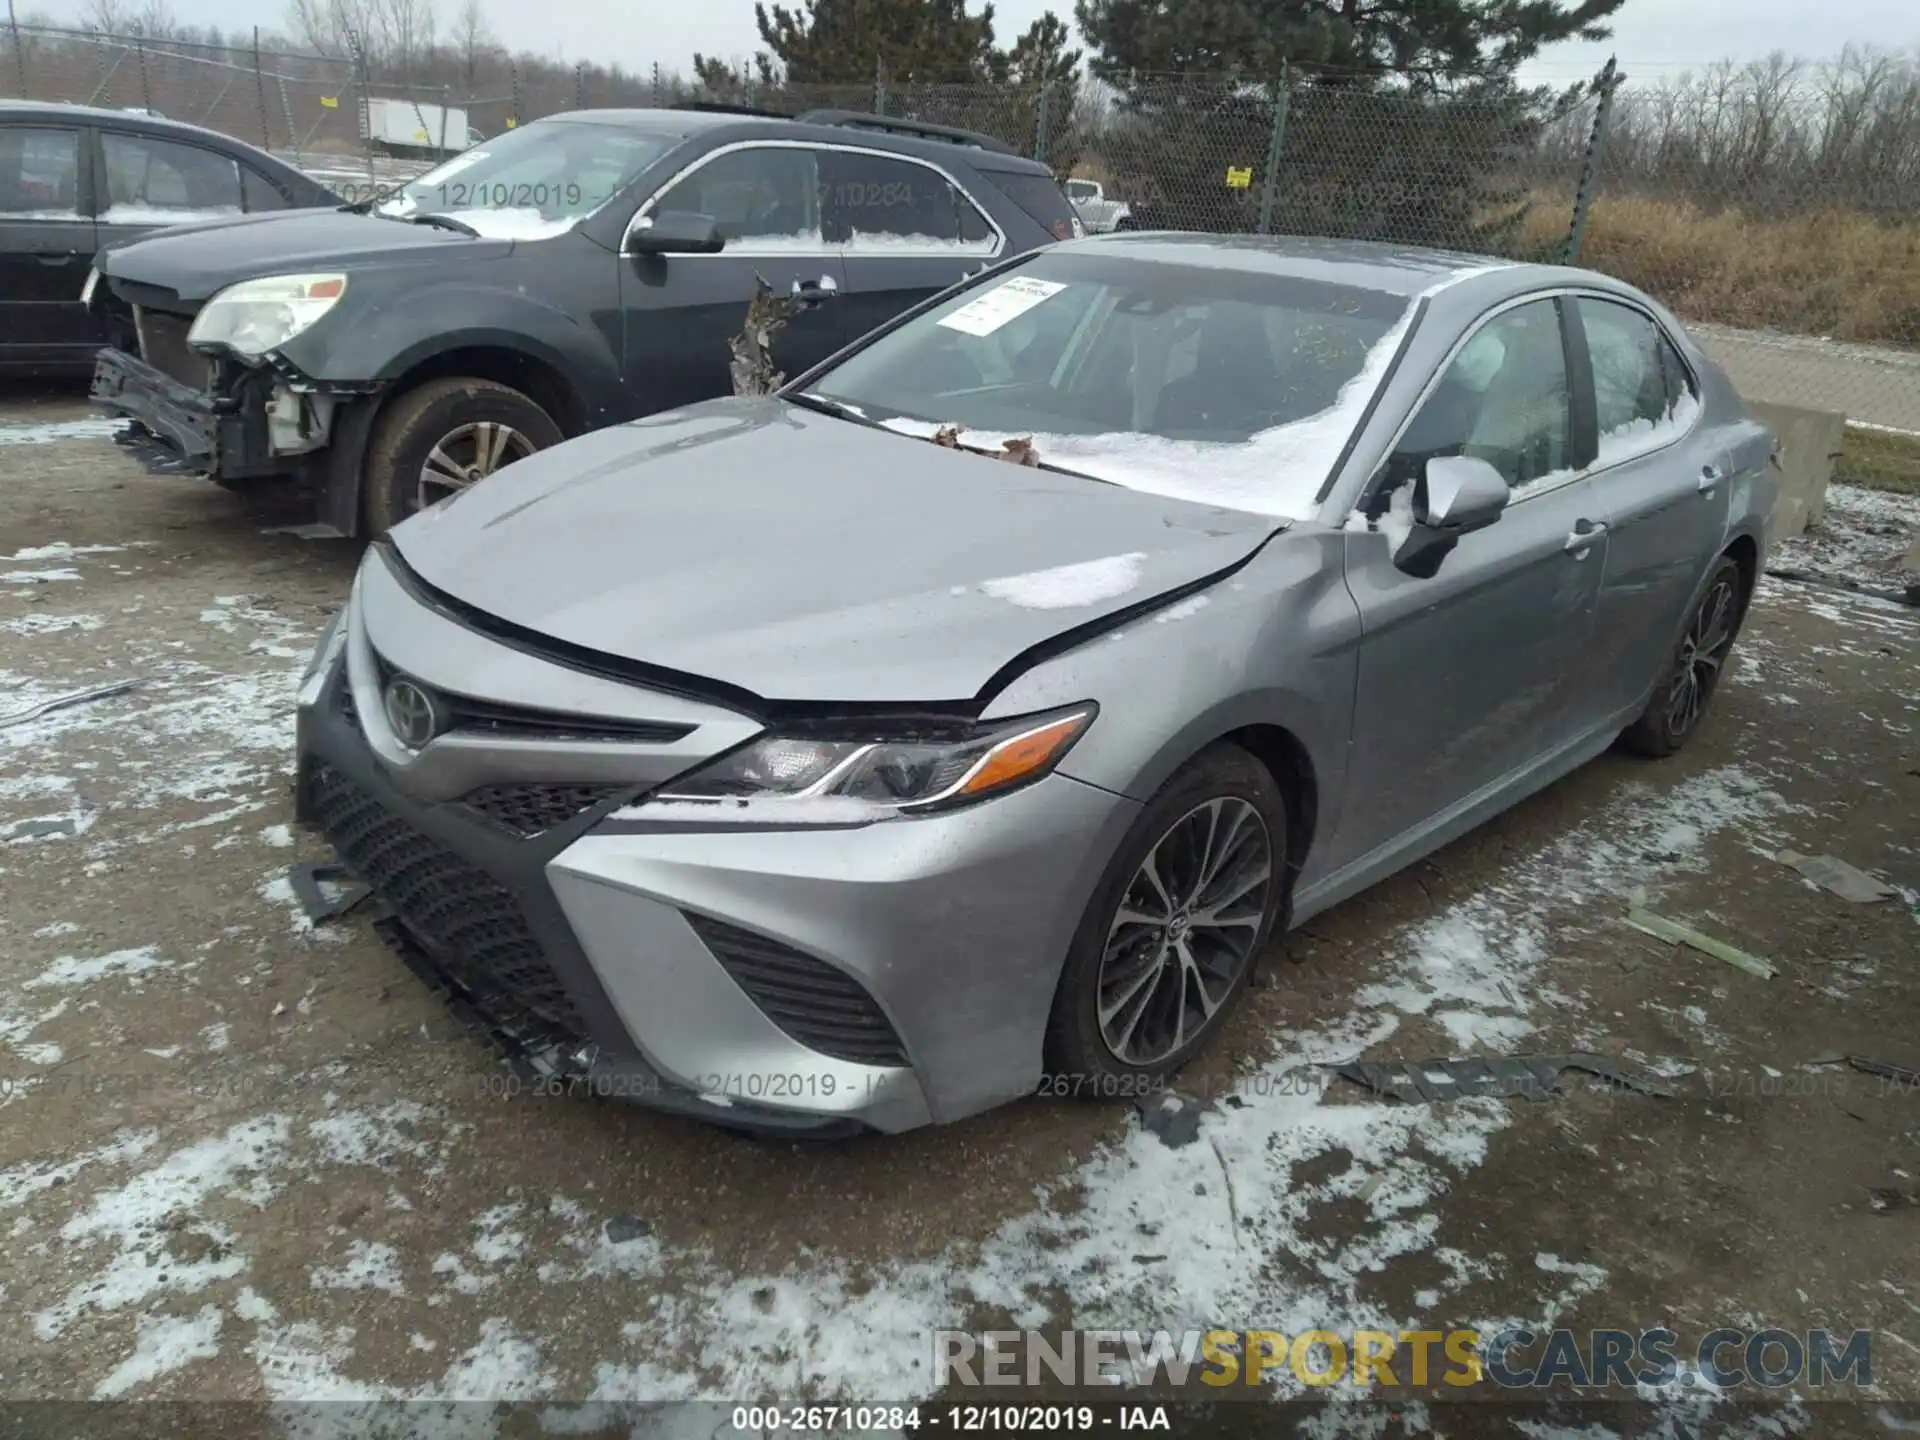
x,y
908,227
46,247
1667,487
682,312
149,182
1469,676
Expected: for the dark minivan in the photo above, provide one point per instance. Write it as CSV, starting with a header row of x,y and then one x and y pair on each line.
x,y
75,179
578,271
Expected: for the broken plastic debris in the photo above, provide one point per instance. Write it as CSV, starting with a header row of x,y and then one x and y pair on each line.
x,y
61,702
310,880
1832,873
1675,933
1174,1117
1533,1077
1900,1075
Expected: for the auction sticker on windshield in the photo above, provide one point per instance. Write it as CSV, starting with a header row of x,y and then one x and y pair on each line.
x,y
1006,301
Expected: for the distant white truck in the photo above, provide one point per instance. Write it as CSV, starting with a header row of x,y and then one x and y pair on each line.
x,y
1097,213
409,127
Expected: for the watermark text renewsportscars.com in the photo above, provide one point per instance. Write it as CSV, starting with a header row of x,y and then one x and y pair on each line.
x,y
1514,1359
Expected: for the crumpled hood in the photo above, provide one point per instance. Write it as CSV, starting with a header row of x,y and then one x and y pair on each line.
x,y
194,261
805,558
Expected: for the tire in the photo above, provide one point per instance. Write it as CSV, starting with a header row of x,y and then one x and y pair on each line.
x,y
1177,962
1693,671
447,416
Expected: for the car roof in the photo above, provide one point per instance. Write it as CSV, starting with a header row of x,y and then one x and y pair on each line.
x,y
134,120
1364,264
685,124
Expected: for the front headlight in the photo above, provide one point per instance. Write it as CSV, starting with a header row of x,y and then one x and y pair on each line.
x,y
849,775
256,316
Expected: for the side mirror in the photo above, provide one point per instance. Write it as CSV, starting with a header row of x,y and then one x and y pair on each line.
x,y
675,232
1457,495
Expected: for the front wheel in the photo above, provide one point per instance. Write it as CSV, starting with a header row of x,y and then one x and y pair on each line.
x,y
441,437
1169,939
1693,673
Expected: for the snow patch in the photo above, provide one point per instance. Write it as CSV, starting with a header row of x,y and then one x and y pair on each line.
x,y
51,431
162,1344
1066,587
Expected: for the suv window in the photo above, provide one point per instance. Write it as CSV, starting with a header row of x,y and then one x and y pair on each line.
x,y
260,192
158,181
1504,399
881,204
1641,388
39,173
766,196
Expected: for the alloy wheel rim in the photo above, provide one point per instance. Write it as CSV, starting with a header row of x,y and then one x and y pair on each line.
x,y
1703,650
466,454
1184,931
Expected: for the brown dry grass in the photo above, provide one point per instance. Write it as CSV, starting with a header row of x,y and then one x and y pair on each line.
x,y
1840,274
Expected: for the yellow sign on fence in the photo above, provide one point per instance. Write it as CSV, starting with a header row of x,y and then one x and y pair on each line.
x,y
1239,177
329,102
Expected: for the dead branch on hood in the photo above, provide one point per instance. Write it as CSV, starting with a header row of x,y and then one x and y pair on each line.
x,y
767,315
1016,451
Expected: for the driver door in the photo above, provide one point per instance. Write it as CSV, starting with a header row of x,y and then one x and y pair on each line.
x,y
1467,678
680,313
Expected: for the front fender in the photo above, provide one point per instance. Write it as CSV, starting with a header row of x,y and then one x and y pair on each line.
x,y
1273,644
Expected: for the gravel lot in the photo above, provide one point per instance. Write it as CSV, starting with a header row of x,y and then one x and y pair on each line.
x,y
245,1157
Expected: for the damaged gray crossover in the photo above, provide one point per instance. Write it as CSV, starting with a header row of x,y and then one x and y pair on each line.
x,y
796,762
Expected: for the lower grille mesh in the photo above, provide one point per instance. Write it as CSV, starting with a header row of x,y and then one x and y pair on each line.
x,y
530,810
820,1006
466,919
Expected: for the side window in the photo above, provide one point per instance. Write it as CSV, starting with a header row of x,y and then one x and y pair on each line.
x,y
1640,386
151,181
260,192
1503,399
878,204
39,173
757,197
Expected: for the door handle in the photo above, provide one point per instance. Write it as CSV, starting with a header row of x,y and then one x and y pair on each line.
x,y
1581,538
1710,476
812,292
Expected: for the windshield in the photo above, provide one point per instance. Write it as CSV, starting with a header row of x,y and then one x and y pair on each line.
x,y
1233,387
533,182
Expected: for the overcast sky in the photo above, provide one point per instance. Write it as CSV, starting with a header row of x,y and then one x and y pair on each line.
x,y
1653,38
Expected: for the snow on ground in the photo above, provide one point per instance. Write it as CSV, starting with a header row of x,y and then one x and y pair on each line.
x,y
47,432
1863,536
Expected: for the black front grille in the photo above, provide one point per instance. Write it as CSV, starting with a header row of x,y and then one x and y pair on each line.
x,y
818,1005
529,810
464,713
163,345
466,920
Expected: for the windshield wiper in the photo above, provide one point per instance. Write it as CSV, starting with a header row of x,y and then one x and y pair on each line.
x,y
443,222
828,407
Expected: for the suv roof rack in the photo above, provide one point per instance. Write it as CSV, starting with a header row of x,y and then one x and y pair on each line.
x,y
728,107
919,129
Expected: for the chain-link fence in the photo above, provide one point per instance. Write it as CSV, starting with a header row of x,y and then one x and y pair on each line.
x,y
1775,206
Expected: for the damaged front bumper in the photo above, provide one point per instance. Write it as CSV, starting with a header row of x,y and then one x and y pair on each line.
x,y
252,424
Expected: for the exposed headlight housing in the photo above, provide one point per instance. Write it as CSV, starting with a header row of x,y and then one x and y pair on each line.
x,y
855,774
256,316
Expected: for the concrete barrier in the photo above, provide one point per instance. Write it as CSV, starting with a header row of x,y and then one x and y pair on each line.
x,y
1809,444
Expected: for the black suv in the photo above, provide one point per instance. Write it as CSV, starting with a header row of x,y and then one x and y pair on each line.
x,y
578,271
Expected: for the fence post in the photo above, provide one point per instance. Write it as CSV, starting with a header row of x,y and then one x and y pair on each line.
x,y
580,85
1282,96
286,108
363,105
446,102
513,103
19,50
1606,82
659,98
146,86
260,93
1040,120
879,85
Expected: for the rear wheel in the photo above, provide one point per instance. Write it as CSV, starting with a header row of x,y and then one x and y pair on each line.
x,y
1170,937
1693,674
441,437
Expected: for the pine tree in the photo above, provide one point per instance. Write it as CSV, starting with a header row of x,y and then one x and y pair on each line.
x,y
1403,120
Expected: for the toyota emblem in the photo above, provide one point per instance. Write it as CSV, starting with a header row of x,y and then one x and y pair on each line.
x,y
411,713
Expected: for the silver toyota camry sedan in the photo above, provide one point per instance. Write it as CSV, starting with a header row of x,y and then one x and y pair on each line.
x,y
974,709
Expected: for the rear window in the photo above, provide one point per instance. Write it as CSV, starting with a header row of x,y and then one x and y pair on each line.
x,y
1038,196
